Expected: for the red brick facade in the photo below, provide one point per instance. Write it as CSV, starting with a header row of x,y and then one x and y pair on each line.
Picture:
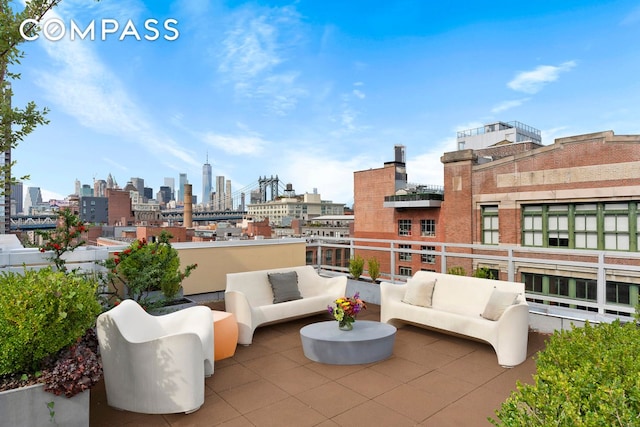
x,y
120,211
599,167
374,221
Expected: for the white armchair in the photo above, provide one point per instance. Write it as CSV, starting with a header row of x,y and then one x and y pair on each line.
x,y
155,364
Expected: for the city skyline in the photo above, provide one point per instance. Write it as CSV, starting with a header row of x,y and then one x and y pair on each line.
x,y
313,91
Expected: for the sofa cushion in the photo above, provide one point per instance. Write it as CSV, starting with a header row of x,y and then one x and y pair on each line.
x,y
498,303
284,286
419,292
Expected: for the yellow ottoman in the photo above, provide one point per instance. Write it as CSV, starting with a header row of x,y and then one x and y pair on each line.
x,y
225,334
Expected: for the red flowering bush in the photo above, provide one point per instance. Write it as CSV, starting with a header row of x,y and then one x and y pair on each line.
x,y
65,238
147,266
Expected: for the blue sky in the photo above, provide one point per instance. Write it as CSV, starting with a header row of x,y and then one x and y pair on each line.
x,y
315,90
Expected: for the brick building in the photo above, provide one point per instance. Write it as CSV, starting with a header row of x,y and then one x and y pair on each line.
x,y
387,206
150,233
579,193
120,211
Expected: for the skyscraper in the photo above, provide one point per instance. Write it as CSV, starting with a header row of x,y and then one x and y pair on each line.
x,y
219,202
206,182
182,181
228,204
139,184
32,199
17,197
99,188
171,183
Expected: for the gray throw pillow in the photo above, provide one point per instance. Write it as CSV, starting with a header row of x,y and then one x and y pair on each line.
x,y
284,286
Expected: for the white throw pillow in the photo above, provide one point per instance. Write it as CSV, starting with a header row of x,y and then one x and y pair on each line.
x,y
498,303
419,292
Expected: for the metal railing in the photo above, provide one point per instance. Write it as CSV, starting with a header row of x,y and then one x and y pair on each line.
x,y
512,261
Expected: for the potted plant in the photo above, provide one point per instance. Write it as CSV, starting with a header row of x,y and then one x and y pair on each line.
x,y
356,266
457,271
48,349
374,269
145,268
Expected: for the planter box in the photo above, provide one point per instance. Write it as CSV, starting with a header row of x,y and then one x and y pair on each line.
x,y
28,406
175,305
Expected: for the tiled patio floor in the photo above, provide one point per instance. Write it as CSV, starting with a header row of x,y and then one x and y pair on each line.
x,y
432,379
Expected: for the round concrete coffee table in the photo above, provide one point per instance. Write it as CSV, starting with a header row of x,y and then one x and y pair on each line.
x,y
368,342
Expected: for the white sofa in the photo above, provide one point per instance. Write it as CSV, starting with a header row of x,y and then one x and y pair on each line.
x,y
155,364
249,296
457,306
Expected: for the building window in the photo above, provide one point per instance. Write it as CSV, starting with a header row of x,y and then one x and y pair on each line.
x,y
619,293
404,271
404,227
563,287
637,226
428,258
532,225
616,226
601,226
532,285
558,226
586,226
558,286
404,256
622,294
328,257
427,227
309,257
587,289
490,229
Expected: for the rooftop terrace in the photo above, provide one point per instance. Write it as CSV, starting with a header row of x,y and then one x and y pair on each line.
x,y
431,379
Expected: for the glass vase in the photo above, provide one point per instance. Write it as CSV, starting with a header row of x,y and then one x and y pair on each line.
x,y
345,325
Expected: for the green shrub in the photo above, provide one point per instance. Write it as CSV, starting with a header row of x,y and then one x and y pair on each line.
x,y
356,266
373,268
457,270
42,312
484,273
588,376
144,267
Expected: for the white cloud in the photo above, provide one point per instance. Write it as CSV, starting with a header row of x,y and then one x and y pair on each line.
x,y
50,195
254,53
114,163
250,49
249,144
533,81
359,94
85,88
507,105
332,177
426,168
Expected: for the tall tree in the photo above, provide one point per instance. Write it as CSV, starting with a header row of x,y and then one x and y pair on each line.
x,y
16,123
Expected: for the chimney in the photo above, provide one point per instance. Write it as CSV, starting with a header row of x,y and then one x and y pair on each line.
x,y
188,207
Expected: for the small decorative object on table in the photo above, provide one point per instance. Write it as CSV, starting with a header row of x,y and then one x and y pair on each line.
x,y
345,311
